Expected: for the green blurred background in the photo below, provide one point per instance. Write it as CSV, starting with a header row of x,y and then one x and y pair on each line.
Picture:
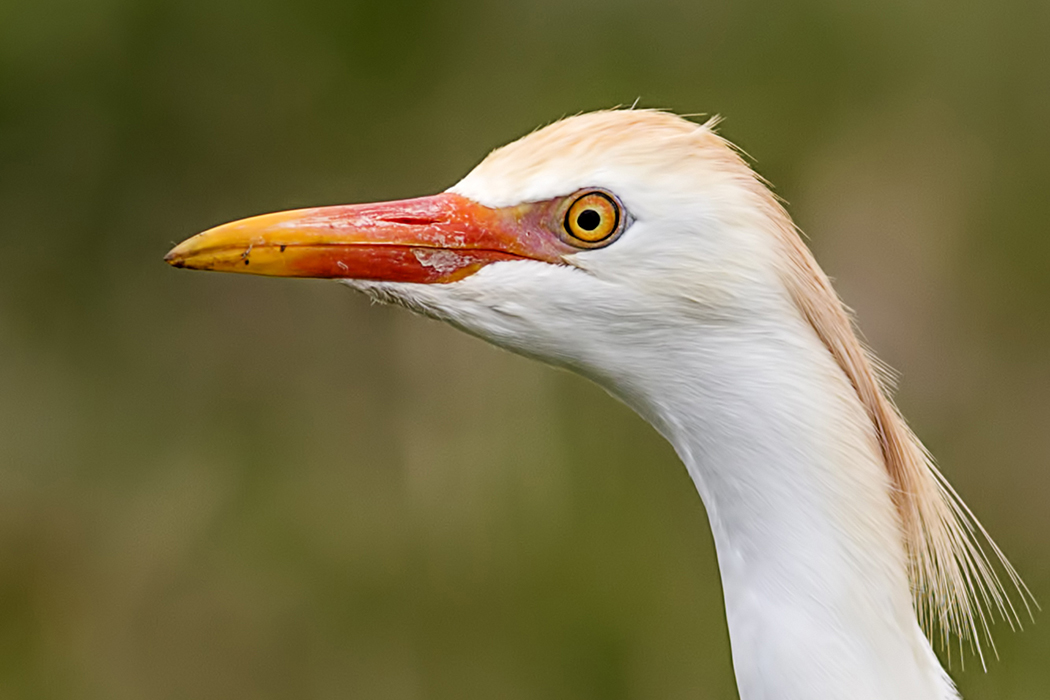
x,y
234,487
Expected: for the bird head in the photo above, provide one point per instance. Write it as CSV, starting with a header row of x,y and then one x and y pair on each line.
x,y
571,241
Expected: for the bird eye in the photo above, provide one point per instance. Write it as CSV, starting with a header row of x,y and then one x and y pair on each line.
x,y
593,220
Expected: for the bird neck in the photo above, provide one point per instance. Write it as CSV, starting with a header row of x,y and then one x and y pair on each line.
x,y
809,542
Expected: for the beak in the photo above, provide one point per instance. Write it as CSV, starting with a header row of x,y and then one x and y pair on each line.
x,y
442,238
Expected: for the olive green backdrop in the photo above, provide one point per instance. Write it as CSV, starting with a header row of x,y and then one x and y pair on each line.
x,y
234,487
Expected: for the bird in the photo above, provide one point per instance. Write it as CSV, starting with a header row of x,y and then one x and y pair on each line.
x,y
640,249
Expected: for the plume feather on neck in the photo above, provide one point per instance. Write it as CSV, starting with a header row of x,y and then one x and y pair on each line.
x,y
953,563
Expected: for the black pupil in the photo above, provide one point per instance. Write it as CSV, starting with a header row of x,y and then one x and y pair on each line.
x,y
588,219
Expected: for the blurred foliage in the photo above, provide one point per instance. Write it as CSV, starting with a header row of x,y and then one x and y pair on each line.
x,y
225,487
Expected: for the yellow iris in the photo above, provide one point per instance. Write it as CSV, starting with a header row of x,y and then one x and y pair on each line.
x,y
593,219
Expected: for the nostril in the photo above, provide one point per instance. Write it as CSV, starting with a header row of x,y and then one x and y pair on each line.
x,y
411,220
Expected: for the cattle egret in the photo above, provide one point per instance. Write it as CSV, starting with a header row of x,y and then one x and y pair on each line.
x,y
639,249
